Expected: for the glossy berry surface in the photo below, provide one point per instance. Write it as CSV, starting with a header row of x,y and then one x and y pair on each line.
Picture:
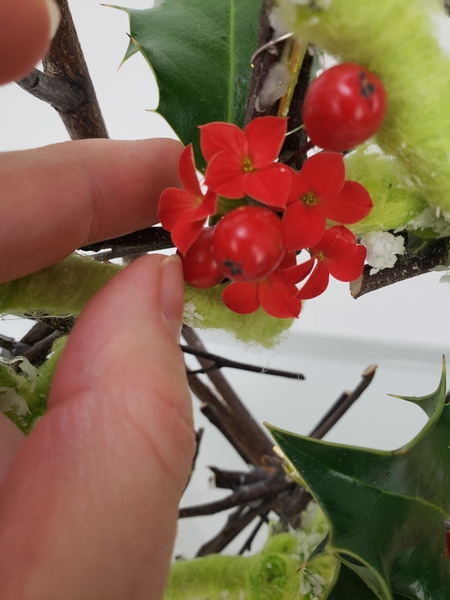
x,y
200,270
344,107
248,243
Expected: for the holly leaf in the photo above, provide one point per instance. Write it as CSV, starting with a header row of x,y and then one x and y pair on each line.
x,y
199,51
386,510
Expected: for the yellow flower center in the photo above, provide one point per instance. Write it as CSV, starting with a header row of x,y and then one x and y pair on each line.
x,y
309,199
247,165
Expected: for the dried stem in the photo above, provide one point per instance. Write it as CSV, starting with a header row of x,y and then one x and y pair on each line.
x,y
435,254
258,443
66,84
220,362
257,491
341,406
151,239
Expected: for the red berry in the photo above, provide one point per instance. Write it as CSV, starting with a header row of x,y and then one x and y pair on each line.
x,y
248,243
200,270
344,107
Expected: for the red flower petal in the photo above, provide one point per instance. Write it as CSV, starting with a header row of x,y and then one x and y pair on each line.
x,y
207,207
222,137
270,186
303,226
348,269
241,297
352,204
265,137
185,233
324,174
337,243
175,204
224,175
317,282
279,300
187,173
297,273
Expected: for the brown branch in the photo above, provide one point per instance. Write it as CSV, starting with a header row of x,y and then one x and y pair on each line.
x,y
231,480
258,443
341,406
66,84
151,239
247,495
435,254
220,362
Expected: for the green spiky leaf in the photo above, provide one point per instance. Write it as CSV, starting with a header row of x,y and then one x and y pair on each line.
x,y
386,510
200,53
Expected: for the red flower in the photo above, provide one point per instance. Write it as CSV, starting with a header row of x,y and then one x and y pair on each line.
x,y
184,212
242,163
277,298
337,254
320,192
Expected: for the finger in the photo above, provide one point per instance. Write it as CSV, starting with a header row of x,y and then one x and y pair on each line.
x,y
90,504
61,197
26,27
11,439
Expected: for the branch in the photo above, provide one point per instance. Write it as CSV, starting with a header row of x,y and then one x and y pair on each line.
x,y
342,404
256,438
151,239
435,254
220,362
66,84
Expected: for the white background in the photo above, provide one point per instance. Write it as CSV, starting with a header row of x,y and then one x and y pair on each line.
x,y
405,329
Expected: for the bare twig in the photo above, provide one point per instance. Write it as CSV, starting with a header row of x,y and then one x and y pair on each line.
x,y
257,491
255,437
247,546
220,362
66,84
151,239
435,254
231,480
341,406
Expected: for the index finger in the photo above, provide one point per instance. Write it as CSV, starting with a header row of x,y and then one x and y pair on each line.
x,y
64,196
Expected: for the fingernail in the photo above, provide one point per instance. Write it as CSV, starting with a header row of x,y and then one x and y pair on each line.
x,y
54,16
172,293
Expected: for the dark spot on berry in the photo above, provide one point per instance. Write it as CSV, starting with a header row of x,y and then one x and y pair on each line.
x,y
367,88
234,268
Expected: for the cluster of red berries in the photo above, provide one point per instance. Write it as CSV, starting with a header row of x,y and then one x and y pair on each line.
x,y
280,212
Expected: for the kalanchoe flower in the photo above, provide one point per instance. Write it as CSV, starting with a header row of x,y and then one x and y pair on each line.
x,y
337,254
277,298
320,192
242,163
184,212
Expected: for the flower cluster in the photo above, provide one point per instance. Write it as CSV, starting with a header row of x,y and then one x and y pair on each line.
x,y
275,214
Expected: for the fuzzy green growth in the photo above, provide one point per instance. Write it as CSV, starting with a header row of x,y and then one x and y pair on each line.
x,y
212,313
24,389
397,42
271,574
396,200
62,289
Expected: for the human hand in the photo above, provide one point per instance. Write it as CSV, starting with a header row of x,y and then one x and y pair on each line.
x,y
89,502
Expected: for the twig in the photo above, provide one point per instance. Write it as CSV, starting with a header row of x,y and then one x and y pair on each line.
x,y
145,240
257,491
249,541
435,254
235,524
231,480
66,84
220,362
341,406
256,438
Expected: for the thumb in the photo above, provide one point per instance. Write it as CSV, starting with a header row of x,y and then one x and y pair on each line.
x,y
26,28
90,504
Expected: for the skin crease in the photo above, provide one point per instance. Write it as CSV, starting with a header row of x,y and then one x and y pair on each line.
x,y
89,501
